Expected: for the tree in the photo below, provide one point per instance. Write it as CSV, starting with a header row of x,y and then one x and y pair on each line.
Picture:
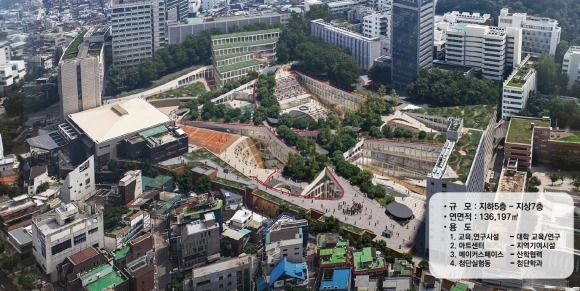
x,y
249,249
408,257
424,265
27,281
553,177
148,71
113,164
561,49
115,78
8,262
422,135
185,181
379,74
318,11
547,73
382,91
395,97
203,184
42,187
282,207
112,216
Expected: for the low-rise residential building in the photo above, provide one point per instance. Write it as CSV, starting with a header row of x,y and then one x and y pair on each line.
x,y
571,65
104,277
78,263
367,262
283,273
333,251
64,231
335,279
363,49
80,182
517,88
196,243
16,212
131,225
38,175
20,239
232,274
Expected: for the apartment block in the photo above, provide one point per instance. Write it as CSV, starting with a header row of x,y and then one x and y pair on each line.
x,y
196,243
517,88
477,46
378,24
11,71
177,10
138,29
236,54
131,225
412,37
571,65
540,34
80,84
64,231
232,274
364,49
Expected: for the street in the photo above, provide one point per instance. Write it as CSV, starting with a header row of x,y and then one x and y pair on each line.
x,y
6,283
162,262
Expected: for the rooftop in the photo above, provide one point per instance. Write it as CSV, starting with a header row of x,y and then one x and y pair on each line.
x,y
521,74
340,280
243,259
336,255
246,43
159,181
364,260
245,33
118,119
571,138
203,208
122,252
73,48
520,129
511,181
238,66
464,152
229,56
113,278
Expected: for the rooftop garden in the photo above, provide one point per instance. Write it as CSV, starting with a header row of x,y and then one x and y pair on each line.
x,y
203,154
572,138
520,130
246,43
73,49
474,116
230,183
245,33
463,153
191,90
238,66
229,56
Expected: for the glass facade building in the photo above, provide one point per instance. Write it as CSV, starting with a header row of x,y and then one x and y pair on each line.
x,y
412,37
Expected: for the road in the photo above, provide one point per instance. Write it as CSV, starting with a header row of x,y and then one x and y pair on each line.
x,y
162,262
6,283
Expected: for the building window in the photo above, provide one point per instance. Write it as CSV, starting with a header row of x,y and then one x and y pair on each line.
x,y
93,230
58,248
80,238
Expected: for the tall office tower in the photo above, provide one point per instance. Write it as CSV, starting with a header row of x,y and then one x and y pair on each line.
x,y
138,30
412,38
79,84
177,10
540,34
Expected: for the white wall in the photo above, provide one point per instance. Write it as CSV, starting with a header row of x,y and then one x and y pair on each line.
x,y
80,182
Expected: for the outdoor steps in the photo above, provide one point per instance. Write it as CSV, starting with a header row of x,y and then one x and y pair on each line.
x,y
255,153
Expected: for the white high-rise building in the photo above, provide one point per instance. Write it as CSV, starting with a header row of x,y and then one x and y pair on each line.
x,y
540,35
484,48
79,84
11,71
64,231
364,49
517,88
571,65
138,29
378,25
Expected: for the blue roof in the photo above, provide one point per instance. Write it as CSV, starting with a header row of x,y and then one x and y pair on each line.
x,y
340,278
244,231
291,270
145,180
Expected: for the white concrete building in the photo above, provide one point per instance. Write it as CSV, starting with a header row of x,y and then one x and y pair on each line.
x,y
80,182
478,46
38,175
517,88
198,242
138,29
378,25
540,35
80,84
130,226
9,164
465,17
64,231
571,65
11,72
364,49
232,274
207,5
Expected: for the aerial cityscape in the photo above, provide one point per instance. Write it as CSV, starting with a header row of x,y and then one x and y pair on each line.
x,y
273,145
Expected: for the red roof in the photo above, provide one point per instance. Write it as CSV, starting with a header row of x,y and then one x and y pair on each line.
x,y
83,255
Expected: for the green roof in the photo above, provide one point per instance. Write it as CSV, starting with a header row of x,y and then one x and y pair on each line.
x,y
116,230
96,270
460,286
73,49
238,66
246,43
158,181
108,280
153,131
244,33
520,130
571,138
200,210
225,57
461,159
337,255
122,252
363,260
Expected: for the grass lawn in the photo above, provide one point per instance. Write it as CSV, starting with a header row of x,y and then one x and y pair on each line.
x,y
230,183
461,163
572,138
520,130
383,201
191,90
474,116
